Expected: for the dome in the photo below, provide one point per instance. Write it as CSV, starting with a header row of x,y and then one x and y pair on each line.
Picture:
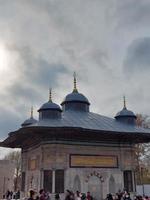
x,y
125,115
50,106
75,97
29,121
49,110
75,100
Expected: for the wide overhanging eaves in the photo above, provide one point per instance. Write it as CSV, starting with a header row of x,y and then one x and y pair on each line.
x,y
30,136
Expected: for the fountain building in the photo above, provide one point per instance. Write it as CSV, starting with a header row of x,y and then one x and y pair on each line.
x,y
70,147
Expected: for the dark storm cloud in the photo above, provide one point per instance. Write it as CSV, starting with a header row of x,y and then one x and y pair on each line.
x,y
132,13
136,68
35,75
8,122
37,69
138,56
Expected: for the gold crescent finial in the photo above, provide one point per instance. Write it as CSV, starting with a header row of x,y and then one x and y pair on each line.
x,y
50,95
75,82
31,111
124,101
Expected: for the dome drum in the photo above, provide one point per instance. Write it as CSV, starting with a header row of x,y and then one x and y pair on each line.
x,y
127,119
49,114
49,110
77,106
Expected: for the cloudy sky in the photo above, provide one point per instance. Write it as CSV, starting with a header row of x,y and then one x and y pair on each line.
x,y
42,42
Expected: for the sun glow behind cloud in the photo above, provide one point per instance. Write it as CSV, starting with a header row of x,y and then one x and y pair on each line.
x,y
4,59
7,65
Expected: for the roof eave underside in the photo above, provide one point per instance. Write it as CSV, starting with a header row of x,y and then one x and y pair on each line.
x,y
23,136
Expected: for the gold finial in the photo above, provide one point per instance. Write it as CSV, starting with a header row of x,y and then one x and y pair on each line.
x,y
124,102
31,111
75,82
50,95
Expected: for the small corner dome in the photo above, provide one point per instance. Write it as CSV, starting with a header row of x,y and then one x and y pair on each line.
x,y
75,97
125,113
28,122
126,116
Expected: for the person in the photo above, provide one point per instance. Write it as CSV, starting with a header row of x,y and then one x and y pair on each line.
x,y
57,197
71,195
4,196
89,197
42,195
68,194
8,195
116,196
127,196
83,196
77,195
11,194
119,195
109,196
17,196
31,195
47,195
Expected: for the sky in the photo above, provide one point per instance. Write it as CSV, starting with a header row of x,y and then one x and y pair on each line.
x,y
42,42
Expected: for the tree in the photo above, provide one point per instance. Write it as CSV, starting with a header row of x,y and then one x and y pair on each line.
x,y
15,156
142,153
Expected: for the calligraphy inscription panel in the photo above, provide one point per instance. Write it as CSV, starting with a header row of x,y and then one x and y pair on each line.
x,y
97,161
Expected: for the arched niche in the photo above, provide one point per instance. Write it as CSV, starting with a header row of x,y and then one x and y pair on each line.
x,y
77,184
95,187
112,185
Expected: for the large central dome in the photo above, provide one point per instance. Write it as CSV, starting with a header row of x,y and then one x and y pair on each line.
x,y
75,100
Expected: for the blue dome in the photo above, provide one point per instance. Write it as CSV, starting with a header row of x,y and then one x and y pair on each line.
x,y
126,116
75,100
50,106
125,113
29,121
75,97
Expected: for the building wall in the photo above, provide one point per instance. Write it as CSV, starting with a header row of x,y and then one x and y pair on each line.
x,y
57,156
7,170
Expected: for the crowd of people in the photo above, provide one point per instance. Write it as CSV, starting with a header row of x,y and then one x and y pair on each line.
x,y
125,196
11,195
69,195
82,196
